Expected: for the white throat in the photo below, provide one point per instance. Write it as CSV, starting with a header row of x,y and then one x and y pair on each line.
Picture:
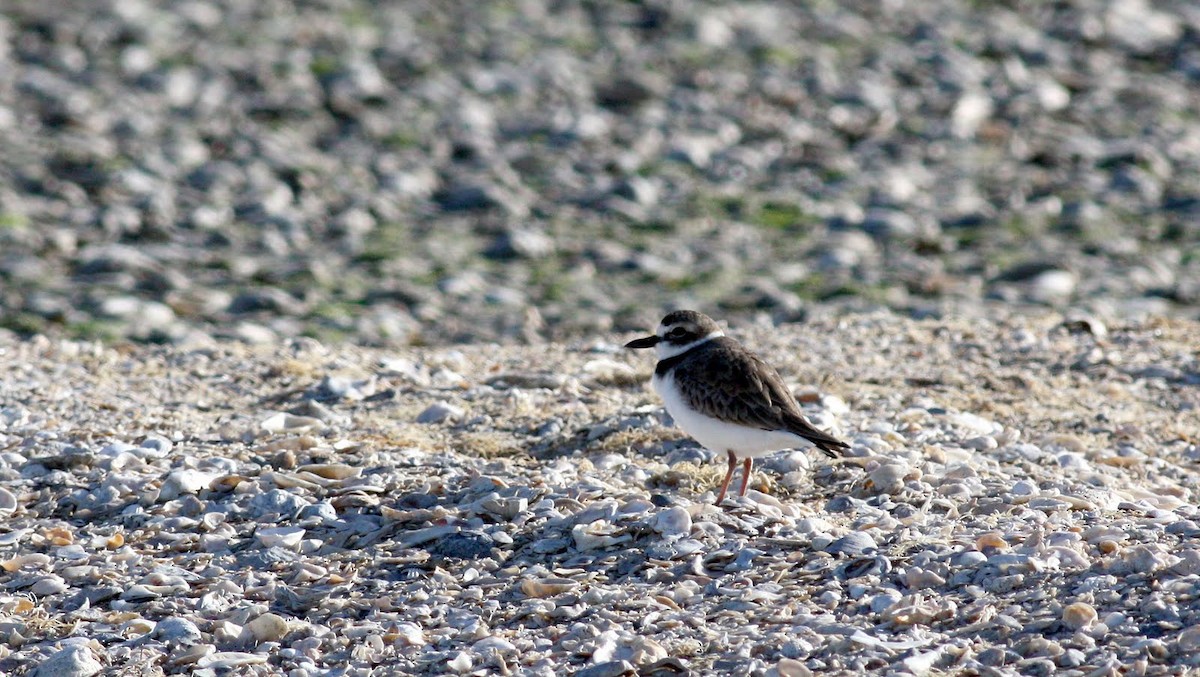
x,y
666,350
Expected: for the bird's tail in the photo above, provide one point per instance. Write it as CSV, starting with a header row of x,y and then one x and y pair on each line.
x,y
832,446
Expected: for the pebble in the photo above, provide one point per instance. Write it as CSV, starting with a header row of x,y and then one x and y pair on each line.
x,y
888,478
463,545
177,630
70,661
1079,615
180,482
885,600
1188,641
674,521
790,667
460,662
854,544
440,412
283,422
268,627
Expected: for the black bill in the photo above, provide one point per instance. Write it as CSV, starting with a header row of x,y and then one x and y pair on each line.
x,y
648,342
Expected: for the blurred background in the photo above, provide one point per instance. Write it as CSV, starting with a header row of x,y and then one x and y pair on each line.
x,y
429,172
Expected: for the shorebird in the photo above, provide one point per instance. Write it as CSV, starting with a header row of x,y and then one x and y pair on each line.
x,y
726,397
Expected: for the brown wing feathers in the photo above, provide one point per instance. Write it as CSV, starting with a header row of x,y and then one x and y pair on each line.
x,y
743,389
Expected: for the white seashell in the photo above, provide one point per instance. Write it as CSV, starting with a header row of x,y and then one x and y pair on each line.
x,y
186,481
230,659
439,412
408,634
290,423
460,663
916,578
140,593
50,585
139,626
8,502
597,535
546,587
307,572
288,480
331,471
974,423
26,560
13,537
675,521
508,508
493,643
284,537
155,446
888,478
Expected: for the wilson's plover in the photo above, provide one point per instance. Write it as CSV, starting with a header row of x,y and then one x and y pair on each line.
x,y
725,396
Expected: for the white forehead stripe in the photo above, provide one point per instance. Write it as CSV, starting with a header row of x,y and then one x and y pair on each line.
x,y
666,349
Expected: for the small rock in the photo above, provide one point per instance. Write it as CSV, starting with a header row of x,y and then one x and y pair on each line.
x,y
268,627
71,661
981,443
180,482
885,600
674,521
854,544
464,545
625,92
461,662
439,412
176,630
1053,286
1188,641
465,198
790,667
888,478
1079,615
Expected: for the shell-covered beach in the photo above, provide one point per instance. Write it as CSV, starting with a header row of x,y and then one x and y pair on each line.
x,y
1019,498
311,315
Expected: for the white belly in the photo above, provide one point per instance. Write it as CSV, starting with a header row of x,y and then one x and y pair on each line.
x,y
717,435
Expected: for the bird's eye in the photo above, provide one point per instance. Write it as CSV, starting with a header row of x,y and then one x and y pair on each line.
x,y
677,332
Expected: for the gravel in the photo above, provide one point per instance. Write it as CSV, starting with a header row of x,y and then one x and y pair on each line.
x,y
310,316
408,173
181,510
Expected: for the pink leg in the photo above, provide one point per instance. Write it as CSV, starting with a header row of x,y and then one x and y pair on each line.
x,y
747,464
728,476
